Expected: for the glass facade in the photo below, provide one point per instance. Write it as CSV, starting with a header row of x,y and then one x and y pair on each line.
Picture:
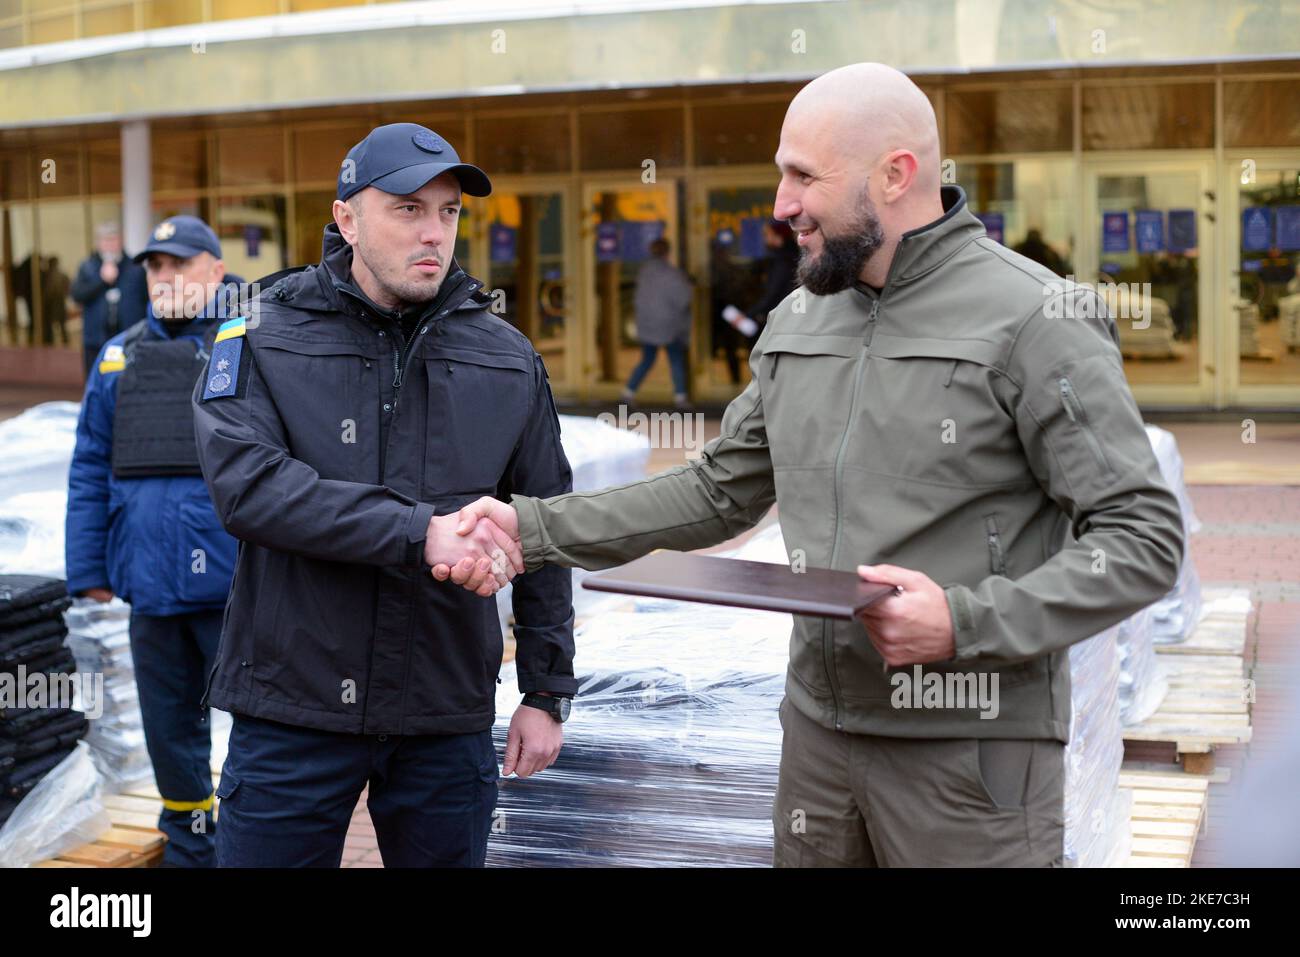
x,y
1109,177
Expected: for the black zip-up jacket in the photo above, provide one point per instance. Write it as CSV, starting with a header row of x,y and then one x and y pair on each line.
x,y
341,439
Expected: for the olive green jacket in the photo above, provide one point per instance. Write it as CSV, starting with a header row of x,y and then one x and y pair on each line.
x,y
973,422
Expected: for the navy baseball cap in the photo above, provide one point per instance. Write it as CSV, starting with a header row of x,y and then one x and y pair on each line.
x,y
400,158
182,236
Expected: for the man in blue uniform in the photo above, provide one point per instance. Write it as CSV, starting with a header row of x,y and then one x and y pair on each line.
x,y
341,427
140,524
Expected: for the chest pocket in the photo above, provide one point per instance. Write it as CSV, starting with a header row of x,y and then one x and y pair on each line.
x,y
935,410
327,394
478,409
807,383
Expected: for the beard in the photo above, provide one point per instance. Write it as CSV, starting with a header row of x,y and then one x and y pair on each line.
x,y
409,292
840,263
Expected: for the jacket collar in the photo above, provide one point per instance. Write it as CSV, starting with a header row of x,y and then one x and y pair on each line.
x,y
927,247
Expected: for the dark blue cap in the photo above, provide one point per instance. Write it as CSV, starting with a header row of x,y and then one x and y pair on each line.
x,y
182,236
400,158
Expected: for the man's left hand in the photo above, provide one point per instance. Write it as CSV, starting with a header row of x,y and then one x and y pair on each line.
x,y
912,628
532,743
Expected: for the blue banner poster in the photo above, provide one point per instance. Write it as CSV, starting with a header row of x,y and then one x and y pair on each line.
x,y
1149,230
607,242
1288,228
637,237
1182,230
501,239
751,237
1114,232
994,225
1256,227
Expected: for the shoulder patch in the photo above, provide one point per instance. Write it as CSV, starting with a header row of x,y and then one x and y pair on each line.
x,y
223,367
231,329
113,360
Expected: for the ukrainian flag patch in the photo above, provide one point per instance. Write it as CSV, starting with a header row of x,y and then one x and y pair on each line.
x,y
223,367
113,360
230,329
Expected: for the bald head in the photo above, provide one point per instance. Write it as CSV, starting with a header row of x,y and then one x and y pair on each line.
x,y
859,149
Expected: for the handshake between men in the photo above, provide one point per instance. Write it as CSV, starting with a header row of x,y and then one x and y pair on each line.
x,y
477,548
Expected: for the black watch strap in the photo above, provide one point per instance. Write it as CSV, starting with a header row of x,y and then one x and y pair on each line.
x,y
556,707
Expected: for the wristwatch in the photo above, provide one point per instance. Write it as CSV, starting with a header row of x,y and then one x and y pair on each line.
x,y
557,708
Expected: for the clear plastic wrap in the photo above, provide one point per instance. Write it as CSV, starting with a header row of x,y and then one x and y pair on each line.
x,y
1096,820
38,447
31,533
600,455
1175,616
62,812
98,634
34,487
671,758
1142,682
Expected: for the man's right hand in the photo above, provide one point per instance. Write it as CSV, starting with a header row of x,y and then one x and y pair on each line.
x,y
485,556
104,595
108,273
486,511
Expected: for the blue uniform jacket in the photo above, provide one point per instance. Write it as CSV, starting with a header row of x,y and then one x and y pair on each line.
x,y
155,541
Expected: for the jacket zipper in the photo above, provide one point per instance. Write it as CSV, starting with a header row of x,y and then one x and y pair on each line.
x,y
828,645
997,560
1074,409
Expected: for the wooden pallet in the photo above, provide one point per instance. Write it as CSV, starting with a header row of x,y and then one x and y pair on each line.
x,y
133,840
1209,697
1168,815
134,818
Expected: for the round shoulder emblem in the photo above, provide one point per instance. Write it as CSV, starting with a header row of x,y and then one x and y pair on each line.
x,y
219,382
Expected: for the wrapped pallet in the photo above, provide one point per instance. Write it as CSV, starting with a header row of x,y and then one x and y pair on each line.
x,y
1142,682
1096,818
1145,328
98,634
1288,315
1175,616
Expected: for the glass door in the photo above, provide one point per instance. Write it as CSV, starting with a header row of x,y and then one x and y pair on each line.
x,y
1263,287
1149,237
522,249
733,252
621,219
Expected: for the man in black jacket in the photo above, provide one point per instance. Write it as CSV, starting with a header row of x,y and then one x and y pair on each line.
x,y
111,290
341,426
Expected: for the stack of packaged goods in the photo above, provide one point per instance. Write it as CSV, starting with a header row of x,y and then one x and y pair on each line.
x,y
98,634
1174,617
601,454
671,758
40,720
1097,810
1288,317
1248,342
1142,682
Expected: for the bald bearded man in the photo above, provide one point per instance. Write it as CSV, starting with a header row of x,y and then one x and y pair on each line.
x,y
931,402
